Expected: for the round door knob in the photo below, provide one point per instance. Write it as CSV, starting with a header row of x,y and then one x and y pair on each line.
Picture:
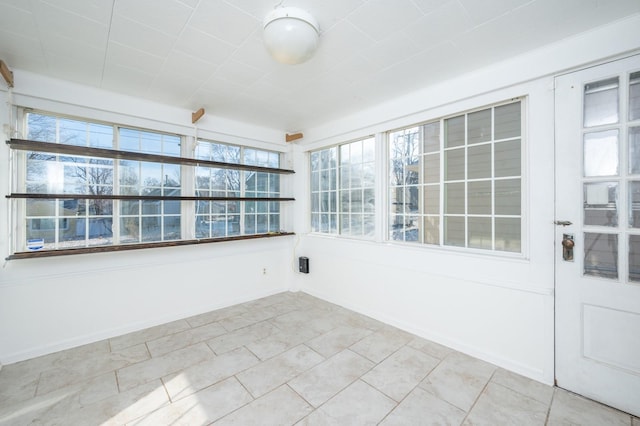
x,y
567,243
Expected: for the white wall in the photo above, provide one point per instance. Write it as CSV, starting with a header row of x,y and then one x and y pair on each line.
x,y
494,307
54,303
497,308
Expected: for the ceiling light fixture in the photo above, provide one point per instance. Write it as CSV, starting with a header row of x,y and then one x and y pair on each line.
x,y
290,35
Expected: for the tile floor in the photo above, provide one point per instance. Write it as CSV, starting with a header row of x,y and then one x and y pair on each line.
x,y
288,359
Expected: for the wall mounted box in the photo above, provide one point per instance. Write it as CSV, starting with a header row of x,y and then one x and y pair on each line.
x,y
303,264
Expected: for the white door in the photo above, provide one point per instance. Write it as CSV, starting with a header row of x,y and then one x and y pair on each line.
x,y
598,191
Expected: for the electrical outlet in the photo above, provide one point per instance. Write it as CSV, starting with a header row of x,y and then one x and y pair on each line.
x,y
264,271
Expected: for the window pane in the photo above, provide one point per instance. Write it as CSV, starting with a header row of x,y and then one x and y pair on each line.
x,y
601,204
508,197
479,126
634,204
41,128
480,235
432,199
601,255
508,236
634,258
479,197
634,149
601,153
454,231
634,96
601,102
454,164
454,198
507,158
432,230
431,168
507,121
479,162
454,131
431,137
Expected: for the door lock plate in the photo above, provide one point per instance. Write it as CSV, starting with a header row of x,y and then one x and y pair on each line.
x,y
567,247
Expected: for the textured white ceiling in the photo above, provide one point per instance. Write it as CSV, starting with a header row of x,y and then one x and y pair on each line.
x,y
209,53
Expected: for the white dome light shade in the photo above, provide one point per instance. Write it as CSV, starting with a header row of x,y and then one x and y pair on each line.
x,y
290,35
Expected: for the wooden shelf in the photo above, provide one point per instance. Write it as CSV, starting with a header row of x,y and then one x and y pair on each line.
x,y
84,151
140,197
137,246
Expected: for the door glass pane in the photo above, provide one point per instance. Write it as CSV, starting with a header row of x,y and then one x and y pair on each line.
x,y
601,153
634,204
480,232
634,258
601,204
601,255
601,102
634,96
634,150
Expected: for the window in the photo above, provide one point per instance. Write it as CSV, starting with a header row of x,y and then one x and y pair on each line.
x,y
458,181
343,189
82,184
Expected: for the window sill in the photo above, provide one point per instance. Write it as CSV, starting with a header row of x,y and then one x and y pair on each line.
x,y
139,246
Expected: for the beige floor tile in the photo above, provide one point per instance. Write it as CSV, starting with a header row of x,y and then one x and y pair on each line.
x,y
338,339
16,386
422,408
279,342
246,319
148,334
328,378
281,406
184,338
58,403
525,386
353,319
200,408
314,319
498,405
570,409
118,409
215,316
276,371
397,375
91,366
61,359
379,345
155,368
430,348
358,404
354,370
244,336
458,379
206,373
